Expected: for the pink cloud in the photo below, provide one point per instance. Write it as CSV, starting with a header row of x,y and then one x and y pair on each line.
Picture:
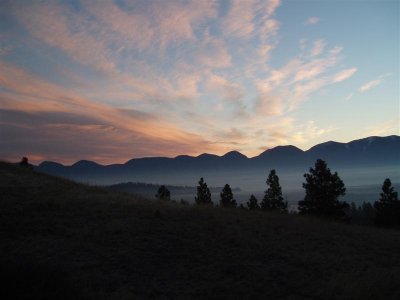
x,y
271,6
232,135
91,42
318,48
165,62
214,54
343,75
158,24
230,91
267,103
133,26
59,27
241,20
108,125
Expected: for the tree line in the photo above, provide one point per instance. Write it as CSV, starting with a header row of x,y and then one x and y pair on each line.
x,y
322,192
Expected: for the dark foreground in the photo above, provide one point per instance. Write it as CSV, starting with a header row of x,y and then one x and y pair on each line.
x,y
62,240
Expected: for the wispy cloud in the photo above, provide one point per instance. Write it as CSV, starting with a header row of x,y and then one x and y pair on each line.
x,y
108,39
285,131
343,75
230,91
239,21
369,85
318,48
309,131
267,103
161,77
245,18
213,53
233,135
58,27
349,96
297,80
365,87
158,24
385,128
58,113
312,21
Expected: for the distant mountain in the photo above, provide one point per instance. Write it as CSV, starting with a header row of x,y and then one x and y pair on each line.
x,y
371,151
367,152
281,155
234,155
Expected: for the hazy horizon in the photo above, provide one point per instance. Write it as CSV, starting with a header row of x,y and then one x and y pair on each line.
x,y
362,184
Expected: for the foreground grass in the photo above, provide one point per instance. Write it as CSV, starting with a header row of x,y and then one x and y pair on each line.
x,y
62,240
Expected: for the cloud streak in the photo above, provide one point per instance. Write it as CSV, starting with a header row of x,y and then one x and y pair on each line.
x,y
371,84
312,21
345,74
143,78
57,113
285,88
318,48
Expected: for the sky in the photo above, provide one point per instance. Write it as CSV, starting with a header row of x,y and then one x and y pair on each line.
x,y
113,80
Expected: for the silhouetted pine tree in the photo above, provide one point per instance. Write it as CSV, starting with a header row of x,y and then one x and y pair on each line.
x,y
203,193
252,204
273,199
227,197
388,206
322,192
163,193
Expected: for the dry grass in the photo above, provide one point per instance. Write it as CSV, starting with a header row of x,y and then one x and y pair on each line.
x,y
63,240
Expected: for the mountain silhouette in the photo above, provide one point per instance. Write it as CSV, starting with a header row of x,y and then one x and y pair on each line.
x,y
371,151
233,155
368,152
281,156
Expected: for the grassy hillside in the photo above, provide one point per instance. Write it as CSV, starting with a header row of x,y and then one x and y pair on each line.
x,y
62,240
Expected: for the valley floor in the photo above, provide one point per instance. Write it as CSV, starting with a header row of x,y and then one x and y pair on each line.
x,y
62,240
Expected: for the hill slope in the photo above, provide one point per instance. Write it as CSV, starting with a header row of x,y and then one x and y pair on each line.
x,y
61,240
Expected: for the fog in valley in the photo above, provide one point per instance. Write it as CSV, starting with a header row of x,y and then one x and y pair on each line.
x,y
362,184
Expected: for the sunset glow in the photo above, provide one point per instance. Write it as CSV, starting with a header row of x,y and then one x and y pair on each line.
x,y
113,80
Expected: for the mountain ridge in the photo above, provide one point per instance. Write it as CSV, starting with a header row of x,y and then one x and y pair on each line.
x,y
233,153
367,152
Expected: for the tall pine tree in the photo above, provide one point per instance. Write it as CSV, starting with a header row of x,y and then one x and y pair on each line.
x,y
273,199
322,192
252,204
227,197
388,206
203,193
